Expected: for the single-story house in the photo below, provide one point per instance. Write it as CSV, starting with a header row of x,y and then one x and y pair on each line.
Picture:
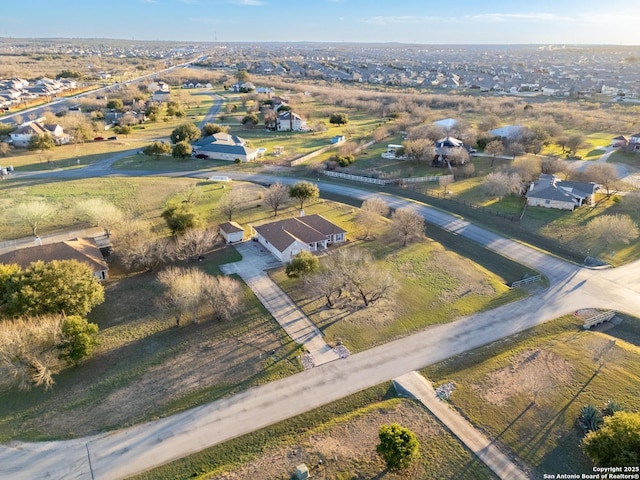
x,y
508,131
286,238
634,142
446,123
84,250
222,146
550,192
290,122
619,142
231,232
22,135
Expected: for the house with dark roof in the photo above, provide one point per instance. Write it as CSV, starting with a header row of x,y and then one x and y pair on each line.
x,y
551,192
286,238
223,146
84,250
634,142
619,142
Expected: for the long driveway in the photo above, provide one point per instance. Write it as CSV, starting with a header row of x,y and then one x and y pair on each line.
x,y
126,452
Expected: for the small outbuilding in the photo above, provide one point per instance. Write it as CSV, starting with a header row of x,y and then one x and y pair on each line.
x,y
302,472
231,232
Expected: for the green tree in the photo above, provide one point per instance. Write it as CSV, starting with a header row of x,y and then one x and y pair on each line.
x,y
181,217
181,149
303,263
338,118
187,132
78,339
209,129
156,149
115,104
41,142
398,446
242,76
59,286
617,442
250,120
122,130
304,192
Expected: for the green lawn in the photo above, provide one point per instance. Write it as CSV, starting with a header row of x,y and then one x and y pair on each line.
x,y
630,159
495,387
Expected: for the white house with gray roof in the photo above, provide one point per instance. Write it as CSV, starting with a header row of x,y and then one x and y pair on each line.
x,y
551,192
222,146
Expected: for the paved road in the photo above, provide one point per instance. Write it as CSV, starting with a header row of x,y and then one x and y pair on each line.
x,y
126,452
255,260
416,386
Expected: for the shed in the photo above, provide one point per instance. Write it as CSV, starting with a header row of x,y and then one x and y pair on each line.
x,y
231,232
302,472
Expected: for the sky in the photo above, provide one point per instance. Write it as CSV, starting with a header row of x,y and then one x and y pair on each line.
x,y
402,21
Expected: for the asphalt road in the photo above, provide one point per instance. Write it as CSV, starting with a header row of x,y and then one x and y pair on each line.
x,y
126,452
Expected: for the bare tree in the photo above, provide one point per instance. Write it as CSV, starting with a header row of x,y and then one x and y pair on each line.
x,y
138,248
514,149
493,148
420,150
194,243
370,215
527,168
33,214
499,184
102,213
326,284
613,228
276,196
457,156
444,181
605,175
231,202
5,148
408,224
575,142
223,295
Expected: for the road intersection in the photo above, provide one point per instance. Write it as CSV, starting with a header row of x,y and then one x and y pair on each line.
x,y
126,452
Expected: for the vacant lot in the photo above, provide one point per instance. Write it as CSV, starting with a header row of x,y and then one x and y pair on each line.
x,y
526,391
337,441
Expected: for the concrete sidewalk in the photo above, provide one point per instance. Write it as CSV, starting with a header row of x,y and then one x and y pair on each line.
x,y
416,386
297,325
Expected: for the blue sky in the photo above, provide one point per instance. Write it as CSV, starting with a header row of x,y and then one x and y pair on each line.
x,y
405,21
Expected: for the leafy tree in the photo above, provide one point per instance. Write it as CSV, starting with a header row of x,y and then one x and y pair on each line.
x,y
338,119
182,149
156,149
6,129
41,142
187,132
250,120
304,192
181,217
33,214
209,129
59,286
115,104
398,446
122,129
276,196
102,213
242,76
408,224
78,339
617,442
303,263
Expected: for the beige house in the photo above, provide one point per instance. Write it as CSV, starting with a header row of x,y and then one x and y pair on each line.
x,y
284,239
551,192
22,136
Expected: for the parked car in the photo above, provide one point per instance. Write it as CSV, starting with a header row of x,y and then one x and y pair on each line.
x,y
201,155
112,138
98,139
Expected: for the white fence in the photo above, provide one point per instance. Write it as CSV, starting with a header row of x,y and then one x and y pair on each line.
x,y
378,181
598,319
526,281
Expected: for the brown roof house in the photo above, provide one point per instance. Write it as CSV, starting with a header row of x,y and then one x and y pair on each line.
x,y
286,238
84,250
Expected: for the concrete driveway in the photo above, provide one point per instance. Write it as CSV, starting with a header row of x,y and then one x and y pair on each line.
x,y
255,260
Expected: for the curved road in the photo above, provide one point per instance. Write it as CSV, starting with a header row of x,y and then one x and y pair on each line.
x,y
126,452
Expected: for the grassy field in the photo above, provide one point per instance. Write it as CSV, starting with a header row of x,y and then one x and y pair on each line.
x,y
595,143
526,391
630,159
436,285
342,435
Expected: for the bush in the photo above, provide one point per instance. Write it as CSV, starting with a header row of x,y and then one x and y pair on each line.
x,y
303,263
590,418
344,160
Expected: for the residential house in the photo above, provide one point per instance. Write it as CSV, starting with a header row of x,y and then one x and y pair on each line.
x,y
508,132
550,192
619,142
634,143
222,146
84,250
22,135
231,232
290,122
286,238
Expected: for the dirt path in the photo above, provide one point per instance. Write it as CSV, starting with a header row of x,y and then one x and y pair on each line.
x,y
415,385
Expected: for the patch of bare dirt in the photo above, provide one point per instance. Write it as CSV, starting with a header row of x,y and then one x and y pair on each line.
x,y
345,448
533,372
